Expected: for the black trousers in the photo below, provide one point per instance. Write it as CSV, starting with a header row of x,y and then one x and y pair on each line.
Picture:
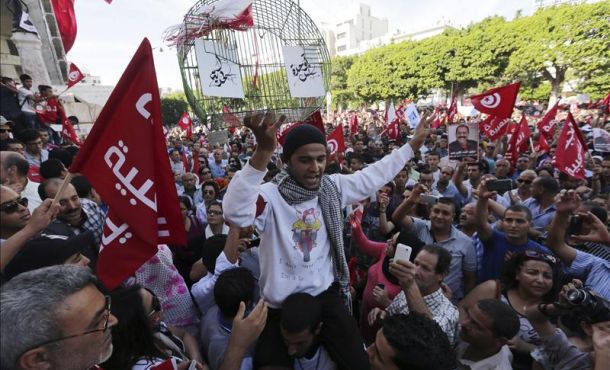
x,y
339,335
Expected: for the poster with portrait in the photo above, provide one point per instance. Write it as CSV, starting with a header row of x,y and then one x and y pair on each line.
x,y
218,71
303,67
463,141
601,140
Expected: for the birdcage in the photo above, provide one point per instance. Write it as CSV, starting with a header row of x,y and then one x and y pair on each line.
x,y
255,53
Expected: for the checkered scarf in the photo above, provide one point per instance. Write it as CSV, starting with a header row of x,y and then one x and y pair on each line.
x,y
330,202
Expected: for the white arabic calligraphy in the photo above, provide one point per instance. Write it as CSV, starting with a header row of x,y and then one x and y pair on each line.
x,y
115,232
126,181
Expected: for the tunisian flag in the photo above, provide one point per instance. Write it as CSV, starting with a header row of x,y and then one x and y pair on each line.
x,y
335,141
68,132
186,125
74,75
125,158
547,124
497,102
66,21
570,153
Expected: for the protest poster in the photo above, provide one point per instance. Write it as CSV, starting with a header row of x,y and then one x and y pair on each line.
x,y
218,70
304,72
463,141
218,137
601,140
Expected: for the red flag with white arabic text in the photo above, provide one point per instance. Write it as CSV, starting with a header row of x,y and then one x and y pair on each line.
x,y
437,118
394,131
68,132
74,75
186,125
547,124
125,158
315,119
353,125
523,135
497,102
335,141
494,127
570,153
452,111
542,146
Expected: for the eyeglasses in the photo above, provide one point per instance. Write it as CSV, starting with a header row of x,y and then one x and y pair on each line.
x,y
214,213
522,181
156,306
541,256
3,130
13,205
106,320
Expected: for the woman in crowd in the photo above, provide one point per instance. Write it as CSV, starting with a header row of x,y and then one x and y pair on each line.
x,y
141,339
216,226
529,278
185,256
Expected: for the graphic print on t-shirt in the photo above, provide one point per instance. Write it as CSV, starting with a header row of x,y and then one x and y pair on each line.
x,y
305,232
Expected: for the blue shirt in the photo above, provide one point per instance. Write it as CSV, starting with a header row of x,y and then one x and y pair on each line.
x,y
593,271
218,170
541,218
494,252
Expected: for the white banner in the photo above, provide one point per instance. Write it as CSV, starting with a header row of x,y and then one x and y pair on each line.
x,y
304,72
601,140
218,71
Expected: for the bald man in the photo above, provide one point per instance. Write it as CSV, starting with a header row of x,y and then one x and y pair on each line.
x,y
14,174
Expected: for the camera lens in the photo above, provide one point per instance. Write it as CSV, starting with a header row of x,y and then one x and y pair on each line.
x,y
575,296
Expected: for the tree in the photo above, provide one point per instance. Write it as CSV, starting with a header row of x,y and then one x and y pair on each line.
x,y
172,107
557,39
342,95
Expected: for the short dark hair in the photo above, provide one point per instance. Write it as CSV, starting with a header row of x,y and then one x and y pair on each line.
x,y
444,257
435,153
186,200
519,208
51,168
514,263
448,201
418,342
212,184
42,188
232,287
82,185
549,184
42,88
24,77
355,156
505,322
462,125
28,135
300,311
213,203
597,210
482,164
63,155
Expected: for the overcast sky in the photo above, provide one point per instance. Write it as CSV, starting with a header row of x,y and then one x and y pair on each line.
x,y
109,34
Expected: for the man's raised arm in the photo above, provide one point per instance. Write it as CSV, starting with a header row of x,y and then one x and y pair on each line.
x,y
483,228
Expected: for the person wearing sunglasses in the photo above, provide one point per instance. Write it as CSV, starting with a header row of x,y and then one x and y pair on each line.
x,y
529,278
524,188
55,318
14,212
14,173
6,127
141,340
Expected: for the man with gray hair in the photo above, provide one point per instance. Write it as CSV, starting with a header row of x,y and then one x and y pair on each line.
x,y
54,318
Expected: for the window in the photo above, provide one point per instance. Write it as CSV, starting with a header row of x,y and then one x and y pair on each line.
x,y
341,35
342,48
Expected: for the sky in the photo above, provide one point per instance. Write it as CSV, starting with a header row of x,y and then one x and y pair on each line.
x,y
109,34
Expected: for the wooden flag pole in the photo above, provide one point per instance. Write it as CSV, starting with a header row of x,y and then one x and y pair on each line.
x,y
62,188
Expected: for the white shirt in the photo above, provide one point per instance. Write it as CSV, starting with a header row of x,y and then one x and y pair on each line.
x,y
31,192
203,290
500,361
23,101
320,361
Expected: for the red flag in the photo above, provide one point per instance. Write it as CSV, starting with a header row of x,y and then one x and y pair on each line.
x,y
394,131
547,124
229,117
186,125
497,102
452,111
125,158
542,146
315,119
68,132
523,135
437,118
494,127
570,153
606,104
284,130
511,154
74,75
391,115
335,141
353,125
66,21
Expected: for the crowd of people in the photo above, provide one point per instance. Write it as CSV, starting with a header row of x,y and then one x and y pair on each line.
x,y
291,257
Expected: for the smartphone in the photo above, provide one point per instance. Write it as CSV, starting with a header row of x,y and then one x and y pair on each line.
x,y
428,199
403,252
500,185
381,286
575,226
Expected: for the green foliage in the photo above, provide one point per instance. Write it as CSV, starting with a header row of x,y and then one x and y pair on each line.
x,y
542,51
172,107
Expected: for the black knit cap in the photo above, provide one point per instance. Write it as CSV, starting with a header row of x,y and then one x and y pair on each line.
x,y
300,135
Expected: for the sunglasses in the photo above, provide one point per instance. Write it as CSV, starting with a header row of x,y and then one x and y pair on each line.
x,y
13,205
3,130
522,181
540,256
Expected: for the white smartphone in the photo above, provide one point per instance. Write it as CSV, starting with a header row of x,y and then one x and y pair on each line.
x,y
193,365
403,252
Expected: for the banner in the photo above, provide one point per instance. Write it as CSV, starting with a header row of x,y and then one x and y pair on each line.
x,y
601,140
218,70
463,141
125,158
304,71
547,124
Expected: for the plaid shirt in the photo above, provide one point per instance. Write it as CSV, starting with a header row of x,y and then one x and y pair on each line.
x,y
443,311
93,220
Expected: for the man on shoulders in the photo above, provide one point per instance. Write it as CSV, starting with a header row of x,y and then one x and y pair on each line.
x,y
299,218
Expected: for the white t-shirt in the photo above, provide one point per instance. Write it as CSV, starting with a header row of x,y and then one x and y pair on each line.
x,y
23,102
320,361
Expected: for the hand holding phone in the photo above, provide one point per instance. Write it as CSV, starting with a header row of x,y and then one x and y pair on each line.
x,y
403,252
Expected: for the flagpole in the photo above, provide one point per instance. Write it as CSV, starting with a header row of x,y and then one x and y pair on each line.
x,y
62,188
532,145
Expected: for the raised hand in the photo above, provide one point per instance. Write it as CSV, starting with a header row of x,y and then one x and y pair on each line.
x,y
567,201
598,232
264,127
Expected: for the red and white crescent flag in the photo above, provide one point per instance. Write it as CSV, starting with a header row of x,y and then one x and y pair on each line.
x,y
494,127
570,154
547,124
353,125
498,101
452,111
68,132
125,158
74,75
186,125
335,141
